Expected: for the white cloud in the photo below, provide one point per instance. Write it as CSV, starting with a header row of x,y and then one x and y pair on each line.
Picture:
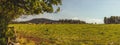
x,y
98,21
90,20
75,18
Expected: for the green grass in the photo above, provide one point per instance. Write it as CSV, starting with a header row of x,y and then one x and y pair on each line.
x,y
70,34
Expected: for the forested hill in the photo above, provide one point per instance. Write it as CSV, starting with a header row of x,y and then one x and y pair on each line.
x,y
49,21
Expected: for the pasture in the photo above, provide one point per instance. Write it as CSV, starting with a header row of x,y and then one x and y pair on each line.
x,y
68,34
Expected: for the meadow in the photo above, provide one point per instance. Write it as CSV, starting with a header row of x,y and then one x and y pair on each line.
x,y
68,34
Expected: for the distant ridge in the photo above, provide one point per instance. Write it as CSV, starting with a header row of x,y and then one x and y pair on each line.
x,y
40,20
49,21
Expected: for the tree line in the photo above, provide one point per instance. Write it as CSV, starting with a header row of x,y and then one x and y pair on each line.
x,y
70,21
112,20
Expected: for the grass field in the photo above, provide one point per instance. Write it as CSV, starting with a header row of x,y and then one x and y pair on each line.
x,y
68,34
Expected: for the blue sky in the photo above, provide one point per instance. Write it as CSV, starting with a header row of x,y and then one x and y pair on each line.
x,y
90,11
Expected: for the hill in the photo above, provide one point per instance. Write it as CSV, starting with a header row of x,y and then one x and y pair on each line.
x,y
49,21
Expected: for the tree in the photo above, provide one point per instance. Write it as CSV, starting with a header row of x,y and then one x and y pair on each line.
x,y
105,20
11,9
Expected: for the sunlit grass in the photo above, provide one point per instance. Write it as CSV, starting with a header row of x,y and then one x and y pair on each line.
x,y
70,34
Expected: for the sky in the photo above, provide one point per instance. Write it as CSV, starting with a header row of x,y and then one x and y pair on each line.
x,y
90,11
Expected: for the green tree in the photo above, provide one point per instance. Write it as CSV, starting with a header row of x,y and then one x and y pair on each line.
x,y
105,20
11,9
